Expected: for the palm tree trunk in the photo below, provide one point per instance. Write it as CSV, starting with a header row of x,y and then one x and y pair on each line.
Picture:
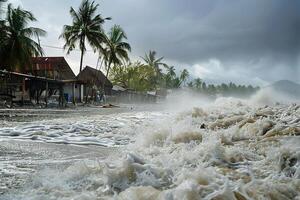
x,y
82,39
23,90
81,61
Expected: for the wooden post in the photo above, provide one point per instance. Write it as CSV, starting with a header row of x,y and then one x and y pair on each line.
x,y
46,93
73,93
23,90
61,96
30,91
37,96
81,92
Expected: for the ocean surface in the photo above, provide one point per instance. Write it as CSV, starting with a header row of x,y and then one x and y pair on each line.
x,y
226,148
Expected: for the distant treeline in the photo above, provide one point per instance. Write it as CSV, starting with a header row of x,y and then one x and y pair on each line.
x,y
223,89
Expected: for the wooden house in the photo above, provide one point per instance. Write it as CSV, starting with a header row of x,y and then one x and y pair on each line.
x,y
94,80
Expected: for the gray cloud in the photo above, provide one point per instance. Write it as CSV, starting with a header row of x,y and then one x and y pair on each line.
x,y
242,40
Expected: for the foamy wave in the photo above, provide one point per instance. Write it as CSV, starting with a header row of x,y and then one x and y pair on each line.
x,y
226,150
109,130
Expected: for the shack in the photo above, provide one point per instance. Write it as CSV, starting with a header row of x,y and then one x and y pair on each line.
x,y
57,68
93,81
51,77
23,88
45,77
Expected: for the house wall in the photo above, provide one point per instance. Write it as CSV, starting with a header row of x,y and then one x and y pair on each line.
x,y
68,91
133,97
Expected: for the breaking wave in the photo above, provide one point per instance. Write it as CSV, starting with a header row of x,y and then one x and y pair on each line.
x,y
228,149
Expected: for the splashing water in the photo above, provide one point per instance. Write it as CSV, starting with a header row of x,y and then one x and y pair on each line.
x,y
229,149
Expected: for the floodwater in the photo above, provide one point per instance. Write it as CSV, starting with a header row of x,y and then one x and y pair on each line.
x,y
224,149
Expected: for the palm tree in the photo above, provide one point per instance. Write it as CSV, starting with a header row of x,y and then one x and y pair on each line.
x,y
86,28
184,75
117,49
176,82
169,77
198,83
154,62
171,71
135,76
18,47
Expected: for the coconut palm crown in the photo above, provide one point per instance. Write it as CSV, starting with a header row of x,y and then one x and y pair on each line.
x,y
184,76
117,49
154,62
17,43
86,28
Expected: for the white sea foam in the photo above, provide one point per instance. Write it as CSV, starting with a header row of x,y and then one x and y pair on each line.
x,y
228,149
110,130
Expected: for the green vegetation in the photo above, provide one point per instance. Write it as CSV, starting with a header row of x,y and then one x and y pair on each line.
x,y
223,89
17,44
116,51
151,60
135,76
143,77
148,75
86,28
171,80
184,76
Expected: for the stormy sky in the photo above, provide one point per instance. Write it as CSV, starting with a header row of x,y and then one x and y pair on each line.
x,y
244,41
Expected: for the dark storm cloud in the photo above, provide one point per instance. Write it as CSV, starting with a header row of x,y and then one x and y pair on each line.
x,y
260,35
241,40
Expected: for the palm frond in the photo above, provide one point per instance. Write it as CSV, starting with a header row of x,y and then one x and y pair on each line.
x,y
18,46
86,28
116,48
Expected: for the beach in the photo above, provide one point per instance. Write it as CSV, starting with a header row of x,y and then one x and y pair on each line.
x,y
145,100
226,149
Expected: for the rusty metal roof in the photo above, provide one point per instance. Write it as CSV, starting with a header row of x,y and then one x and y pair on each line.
x,y
91,75
40,65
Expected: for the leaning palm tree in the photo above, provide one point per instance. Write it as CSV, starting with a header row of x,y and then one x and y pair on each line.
x,y
154,62
151,60
86,28
169,76
18,46
184,76
117,49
